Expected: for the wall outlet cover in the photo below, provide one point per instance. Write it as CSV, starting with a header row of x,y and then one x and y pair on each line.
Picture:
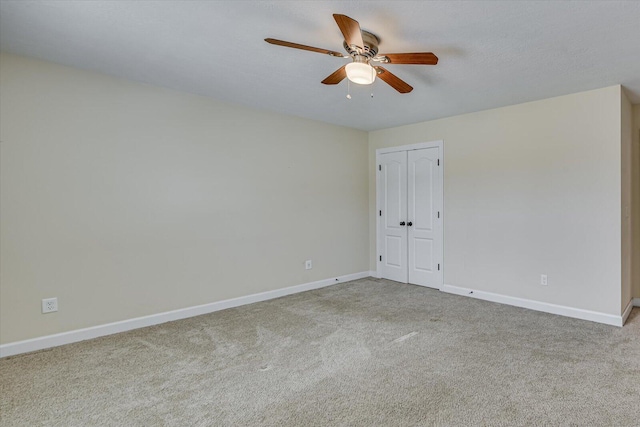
x,y
49,305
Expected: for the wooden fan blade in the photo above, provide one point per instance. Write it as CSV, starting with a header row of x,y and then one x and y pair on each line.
x,y
350,30
336,77
304,47
417,58
394,81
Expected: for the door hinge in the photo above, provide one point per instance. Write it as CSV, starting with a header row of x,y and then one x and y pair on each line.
x,y
438,162
438,267
379,167
380,257
380,213
438,214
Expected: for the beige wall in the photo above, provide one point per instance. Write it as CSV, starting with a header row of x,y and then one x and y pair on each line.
x,y
529,189
124,200
626,120
635,180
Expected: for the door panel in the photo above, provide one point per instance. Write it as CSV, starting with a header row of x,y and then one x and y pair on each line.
x,y
393,251
423,206
421,194
424,247
394,211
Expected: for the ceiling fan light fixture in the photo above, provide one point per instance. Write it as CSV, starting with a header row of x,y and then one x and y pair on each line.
x,y
360,73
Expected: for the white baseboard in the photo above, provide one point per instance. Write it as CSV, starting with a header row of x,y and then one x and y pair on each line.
x,y
636,302
577,313
373,273
55,340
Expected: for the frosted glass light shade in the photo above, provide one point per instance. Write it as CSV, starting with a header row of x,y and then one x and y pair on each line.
x,y
360,73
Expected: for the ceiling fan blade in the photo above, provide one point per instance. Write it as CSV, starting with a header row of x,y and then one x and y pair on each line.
x,y
350,30
304,47
336,77
417,58
394,81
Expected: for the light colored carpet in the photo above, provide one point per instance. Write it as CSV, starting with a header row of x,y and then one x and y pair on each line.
x,y
368,352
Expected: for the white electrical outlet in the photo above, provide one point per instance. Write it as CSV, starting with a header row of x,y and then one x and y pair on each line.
x,y
543,280
308,265
49,305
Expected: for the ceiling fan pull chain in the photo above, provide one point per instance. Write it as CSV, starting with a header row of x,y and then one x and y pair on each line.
x,y
373,71
348,90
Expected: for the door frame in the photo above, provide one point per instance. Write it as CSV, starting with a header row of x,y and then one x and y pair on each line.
x,y
409,147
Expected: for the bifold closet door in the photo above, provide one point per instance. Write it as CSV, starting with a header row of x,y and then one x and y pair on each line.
x,y
410,217
393,214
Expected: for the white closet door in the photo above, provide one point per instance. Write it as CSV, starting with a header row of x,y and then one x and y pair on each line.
x,y
423,219
393,215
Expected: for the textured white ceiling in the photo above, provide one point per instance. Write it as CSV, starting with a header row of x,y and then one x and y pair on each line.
x,y
492,53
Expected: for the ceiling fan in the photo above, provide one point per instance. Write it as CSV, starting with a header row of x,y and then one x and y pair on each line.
x,y
362,48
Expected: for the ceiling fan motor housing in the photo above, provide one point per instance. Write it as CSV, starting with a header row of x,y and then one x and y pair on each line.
x,y
371,42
